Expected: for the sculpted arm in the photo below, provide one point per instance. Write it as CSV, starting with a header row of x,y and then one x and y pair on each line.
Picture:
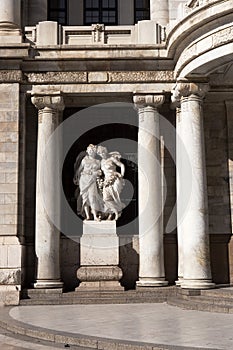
x,y
120,165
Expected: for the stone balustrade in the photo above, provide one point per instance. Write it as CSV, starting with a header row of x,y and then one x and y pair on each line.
x,y
95,34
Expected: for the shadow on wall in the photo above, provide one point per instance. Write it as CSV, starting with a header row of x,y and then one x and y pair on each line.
x,y
129,261
219,257
70,262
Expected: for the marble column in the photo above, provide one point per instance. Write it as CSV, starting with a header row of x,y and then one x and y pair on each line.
x,y
151,254
47,240
180,160
10,21
159,11
193,230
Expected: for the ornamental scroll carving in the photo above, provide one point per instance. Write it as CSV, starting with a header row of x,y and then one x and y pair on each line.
x,y
153,100
185,89
53,101
148,100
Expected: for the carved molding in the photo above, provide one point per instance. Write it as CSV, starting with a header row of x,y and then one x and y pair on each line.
x,y
207,43
98,33
192,4
110,77
186,89
175,97
144,100
53,101
10,76
57,77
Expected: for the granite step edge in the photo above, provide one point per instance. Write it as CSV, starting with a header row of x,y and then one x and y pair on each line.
x,y
196,305
87,342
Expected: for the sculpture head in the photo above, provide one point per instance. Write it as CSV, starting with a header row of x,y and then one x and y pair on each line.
x,y
102,151
91,150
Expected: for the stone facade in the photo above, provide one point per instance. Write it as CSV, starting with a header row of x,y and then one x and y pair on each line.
x,y
171,76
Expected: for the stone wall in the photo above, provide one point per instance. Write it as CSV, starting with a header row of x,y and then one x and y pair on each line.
x,y
215,125
10,248
216,142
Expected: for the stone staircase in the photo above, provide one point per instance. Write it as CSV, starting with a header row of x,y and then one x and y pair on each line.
x,y
219,299
56,297
212,300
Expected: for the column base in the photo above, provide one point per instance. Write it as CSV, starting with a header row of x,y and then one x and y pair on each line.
x,y
151,282
197,284
99,286
179,281
47,284
99,278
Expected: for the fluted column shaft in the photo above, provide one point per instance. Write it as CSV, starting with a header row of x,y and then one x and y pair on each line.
x,y
193,228
47,236
151,255
159,11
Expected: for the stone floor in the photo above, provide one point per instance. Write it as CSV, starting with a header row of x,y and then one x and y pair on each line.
x,y
151,324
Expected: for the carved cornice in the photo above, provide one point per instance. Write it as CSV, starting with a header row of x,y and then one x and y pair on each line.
x,y
144,100
186,89
53,101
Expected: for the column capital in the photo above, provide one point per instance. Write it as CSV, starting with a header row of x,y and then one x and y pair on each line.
x,y
53,100
142,100
186,88
175,97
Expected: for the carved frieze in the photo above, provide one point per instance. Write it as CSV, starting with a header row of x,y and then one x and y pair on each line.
x,y
223,36
57,77
141,76
110,77
10,76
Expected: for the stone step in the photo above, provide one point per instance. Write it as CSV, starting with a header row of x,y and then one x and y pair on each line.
x,y
150,295
218,292
87,301
209,300
197,305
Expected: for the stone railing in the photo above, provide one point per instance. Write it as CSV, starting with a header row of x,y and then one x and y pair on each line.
x,y
50,33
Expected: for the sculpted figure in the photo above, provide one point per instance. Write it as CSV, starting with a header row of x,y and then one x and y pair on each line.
x,y
89,200
113,182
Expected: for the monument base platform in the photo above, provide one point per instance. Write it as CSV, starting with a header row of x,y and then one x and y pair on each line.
x,y
99,257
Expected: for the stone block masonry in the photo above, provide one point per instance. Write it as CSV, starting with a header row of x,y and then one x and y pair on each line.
x,y
10,248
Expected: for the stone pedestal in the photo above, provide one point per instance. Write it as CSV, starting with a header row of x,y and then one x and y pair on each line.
x,y
99,257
